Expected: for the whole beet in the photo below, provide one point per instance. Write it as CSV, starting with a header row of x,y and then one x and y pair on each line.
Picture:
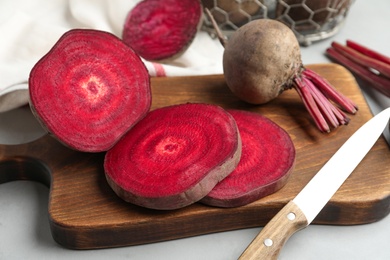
x,y
260,64
262,59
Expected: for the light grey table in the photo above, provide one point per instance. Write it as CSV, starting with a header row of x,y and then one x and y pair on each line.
x,y
24,228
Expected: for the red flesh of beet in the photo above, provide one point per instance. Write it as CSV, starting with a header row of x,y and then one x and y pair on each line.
x,y
174,156
369,65
158,30
89,90
268,157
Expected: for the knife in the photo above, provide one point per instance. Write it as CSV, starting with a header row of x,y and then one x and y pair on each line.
x,y
300,212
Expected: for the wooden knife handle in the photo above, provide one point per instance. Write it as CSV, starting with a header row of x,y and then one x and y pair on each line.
x,y
268,243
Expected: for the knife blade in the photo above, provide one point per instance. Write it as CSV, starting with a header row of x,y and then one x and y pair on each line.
x,y
301,211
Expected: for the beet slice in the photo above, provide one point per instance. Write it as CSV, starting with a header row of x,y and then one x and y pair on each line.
x,y
174,156
159,30
89,89
268,157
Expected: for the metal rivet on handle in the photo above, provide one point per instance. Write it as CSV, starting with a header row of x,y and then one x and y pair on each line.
x,y
268,242
291,216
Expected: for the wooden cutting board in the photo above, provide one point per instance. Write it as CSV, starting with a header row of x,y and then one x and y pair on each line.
x,y
85,213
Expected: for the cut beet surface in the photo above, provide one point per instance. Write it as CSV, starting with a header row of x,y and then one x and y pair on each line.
x,y
159,30
174,156
89,89
268,157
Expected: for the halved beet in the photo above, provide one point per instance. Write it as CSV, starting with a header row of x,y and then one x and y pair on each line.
x,y
268,157
158,30
89,89
174,156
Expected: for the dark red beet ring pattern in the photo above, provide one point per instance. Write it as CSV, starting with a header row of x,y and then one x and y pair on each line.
x,y
173,149
158,29
268,156
90,89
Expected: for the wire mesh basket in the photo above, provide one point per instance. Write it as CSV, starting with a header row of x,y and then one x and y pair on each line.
x,y
310,20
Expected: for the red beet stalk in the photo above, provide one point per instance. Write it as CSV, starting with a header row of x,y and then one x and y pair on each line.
x,y
368,52
316,94
367,64
362,59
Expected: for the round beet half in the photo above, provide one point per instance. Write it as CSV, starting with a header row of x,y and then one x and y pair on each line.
x,y
174,156
268,157
158,30
89,90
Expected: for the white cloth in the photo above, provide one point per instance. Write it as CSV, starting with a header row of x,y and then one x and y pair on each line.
x,y
29,29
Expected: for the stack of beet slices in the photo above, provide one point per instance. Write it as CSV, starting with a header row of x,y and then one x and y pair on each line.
x,y
186,153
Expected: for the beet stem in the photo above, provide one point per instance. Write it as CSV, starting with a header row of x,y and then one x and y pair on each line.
x,y
341,117
380,83
362,59
330,92
310,104
322,103
220,35
368,52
